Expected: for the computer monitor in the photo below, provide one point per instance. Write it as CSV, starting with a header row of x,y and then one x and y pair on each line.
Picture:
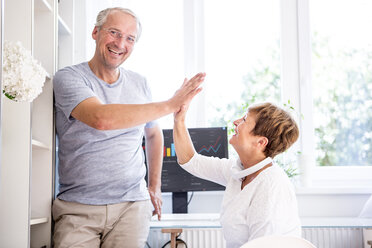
x,y
207,141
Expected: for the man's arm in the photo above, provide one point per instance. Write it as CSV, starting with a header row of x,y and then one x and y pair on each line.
x,y
154,156
119,116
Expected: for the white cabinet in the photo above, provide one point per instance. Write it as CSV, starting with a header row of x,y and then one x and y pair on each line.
x,y
42,126
65,33
27,129
15,198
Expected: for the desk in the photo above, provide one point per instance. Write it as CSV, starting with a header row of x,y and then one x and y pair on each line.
x,y
322,231
212,221
186,221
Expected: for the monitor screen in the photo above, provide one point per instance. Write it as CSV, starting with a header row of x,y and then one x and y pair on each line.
x,y
208,142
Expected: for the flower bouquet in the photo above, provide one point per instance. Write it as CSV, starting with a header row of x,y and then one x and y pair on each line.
x,y
23,76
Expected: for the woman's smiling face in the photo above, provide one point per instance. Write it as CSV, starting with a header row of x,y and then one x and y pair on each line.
x,y
243,140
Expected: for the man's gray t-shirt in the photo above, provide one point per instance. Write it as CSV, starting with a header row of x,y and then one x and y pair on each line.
x,y
99,167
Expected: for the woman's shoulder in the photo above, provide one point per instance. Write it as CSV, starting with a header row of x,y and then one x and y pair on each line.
x,y
274,178
274,171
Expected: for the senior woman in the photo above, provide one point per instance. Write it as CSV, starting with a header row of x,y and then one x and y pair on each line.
x,y
259,199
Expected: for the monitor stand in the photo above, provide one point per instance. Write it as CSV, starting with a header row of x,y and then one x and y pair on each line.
x,y
179,202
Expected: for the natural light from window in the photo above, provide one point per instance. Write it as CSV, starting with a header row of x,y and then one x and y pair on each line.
x,y
241,57
342,81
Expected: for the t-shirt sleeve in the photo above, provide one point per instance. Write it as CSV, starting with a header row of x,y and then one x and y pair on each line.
x,y
70,89
153,123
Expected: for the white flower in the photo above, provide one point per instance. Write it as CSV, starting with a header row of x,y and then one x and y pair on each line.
x,y
23,76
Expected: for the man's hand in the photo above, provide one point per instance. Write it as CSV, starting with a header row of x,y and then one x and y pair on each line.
x,y
187,91
155,195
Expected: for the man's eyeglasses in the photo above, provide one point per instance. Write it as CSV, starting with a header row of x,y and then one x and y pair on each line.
x,y
117,35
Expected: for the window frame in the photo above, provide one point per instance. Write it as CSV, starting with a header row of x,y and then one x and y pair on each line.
x,y
298,28
193,16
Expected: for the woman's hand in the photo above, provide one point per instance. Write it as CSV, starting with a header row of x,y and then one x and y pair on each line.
x,y
180,116
182,141
188,90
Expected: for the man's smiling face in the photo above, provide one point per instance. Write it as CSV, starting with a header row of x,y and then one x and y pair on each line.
x,y
113,50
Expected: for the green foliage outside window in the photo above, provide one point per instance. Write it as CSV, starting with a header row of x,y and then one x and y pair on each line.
x,y
342,80
261,83
342,101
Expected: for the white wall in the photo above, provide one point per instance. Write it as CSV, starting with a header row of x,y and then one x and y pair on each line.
x,y
331,203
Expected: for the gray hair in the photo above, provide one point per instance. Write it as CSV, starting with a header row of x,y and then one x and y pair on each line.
x,y
102,16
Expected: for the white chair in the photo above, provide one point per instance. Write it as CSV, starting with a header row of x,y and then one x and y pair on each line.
x,y
278,241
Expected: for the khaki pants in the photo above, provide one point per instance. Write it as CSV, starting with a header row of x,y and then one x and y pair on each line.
x,y
108,226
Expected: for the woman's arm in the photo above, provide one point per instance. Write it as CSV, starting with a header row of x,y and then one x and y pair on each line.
x,y
209,168
183,145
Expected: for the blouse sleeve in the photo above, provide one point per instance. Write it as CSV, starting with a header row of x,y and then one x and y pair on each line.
x,y
209,168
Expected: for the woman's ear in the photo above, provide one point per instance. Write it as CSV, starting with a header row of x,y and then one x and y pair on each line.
x,y
262,142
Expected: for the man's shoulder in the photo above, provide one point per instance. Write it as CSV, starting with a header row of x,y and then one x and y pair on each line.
x,y
72,68
71,73
132,75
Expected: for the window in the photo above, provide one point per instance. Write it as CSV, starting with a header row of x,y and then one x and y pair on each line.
x,y
242,57
335,84
342,82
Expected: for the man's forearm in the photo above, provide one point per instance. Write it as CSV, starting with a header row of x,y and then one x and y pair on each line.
x,y
120,116
154,154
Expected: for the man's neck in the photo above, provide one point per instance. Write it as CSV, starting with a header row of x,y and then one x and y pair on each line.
x,y
108,75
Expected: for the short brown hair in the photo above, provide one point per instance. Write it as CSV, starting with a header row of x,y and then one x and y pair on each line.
x,y
276,125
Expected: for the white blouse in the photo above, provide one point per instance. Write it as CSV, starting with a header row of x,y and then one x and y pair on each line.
x,y
265,206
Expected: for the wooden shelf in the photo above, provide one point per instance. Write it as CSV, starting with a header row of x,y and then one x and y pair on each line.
x,y
63,28
43,5
36,221
40,145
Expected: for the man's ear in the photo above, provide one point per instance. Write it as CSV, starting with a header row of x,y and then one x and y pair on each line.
x,y
95,32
